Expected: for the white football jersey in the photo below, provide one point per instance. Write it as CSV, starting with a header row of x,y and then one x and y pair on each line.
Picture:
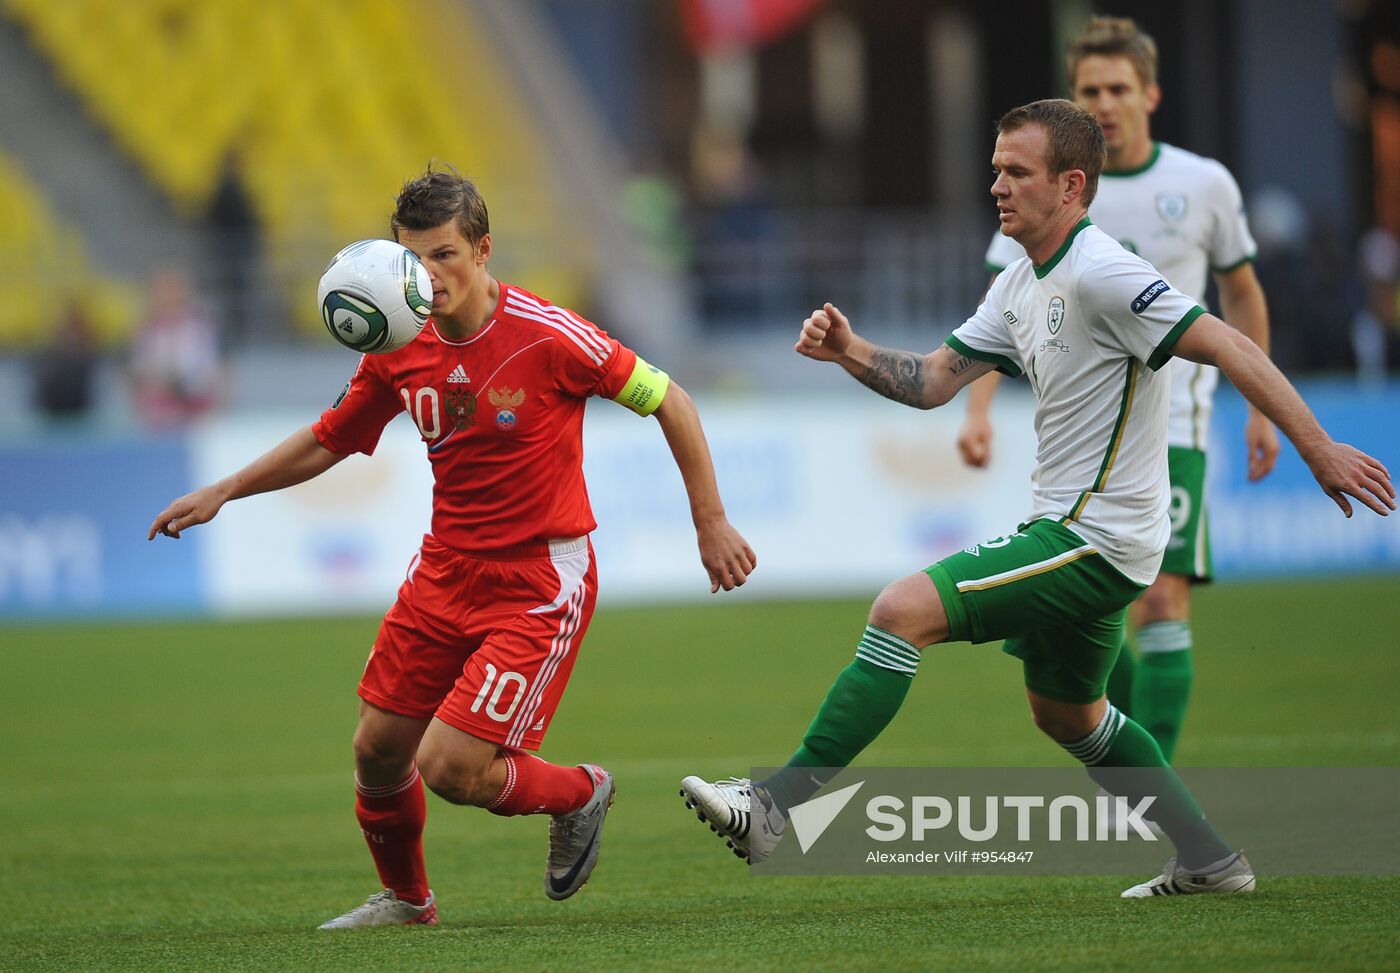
x,y
1090,328
1184,215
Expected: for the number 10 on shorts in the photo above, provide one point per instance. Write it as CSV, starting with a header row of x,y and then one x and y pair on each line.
x,y
493,706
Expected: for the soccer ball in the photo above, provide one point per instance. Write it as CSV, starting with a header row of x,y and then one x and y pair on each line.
x,y
375,296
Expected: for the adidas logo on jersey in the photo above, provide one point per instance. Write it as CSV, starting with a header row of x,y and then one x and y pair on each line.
x,y
458,377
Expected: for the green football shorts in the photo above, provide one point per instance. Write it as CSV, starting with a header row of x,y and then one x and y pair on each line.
x,y
1056,600
1188,551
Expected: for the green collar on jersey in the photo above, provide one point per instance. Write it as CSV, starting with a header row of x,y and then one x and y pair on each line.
x,y
1049,265
1137,170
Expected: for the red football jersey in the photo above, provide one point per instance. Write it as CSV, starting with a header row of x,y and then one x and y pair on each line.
x,y
501,413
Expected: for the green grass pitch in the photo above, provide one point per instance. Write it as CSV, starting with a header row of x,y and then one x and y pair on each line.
x,y
177,796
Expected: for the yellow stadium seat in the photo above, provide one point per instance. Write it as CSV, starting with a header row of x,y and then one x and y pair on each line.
x,y
36,247
330,106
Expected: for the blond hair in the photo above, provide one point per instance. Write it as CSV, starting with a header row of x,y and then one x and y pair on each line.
x,y
1114,37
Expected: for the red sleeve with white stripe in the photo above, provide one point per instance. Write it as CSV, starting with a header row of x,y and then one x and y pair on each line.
x,y
587,361
355,421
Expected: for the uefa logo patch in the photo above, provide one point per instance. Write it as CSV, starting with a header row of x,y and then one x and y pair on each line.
x,y
1149,294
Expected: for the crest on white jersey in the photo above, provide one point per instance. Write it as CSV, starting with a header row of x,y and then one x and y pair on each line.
x,y
1056,315
1171,207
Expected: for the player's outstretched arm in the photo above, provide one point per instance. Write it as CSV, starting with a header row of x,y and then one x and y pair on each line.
x,y
921,381
1244,307
727,557
1341,470
295,460
975,436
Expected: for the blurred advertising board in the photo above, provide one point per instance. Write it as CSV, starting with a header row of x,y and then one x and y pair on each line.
x,y
834,496
74,512
1285,525
339,543
838,496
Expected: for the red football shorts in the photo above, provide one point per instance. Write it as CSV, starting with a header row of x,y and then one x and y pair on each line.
x,y
485,645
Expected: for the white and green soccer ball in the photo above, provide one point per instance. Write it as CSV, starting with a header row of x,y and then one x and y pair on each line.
x,y
375,296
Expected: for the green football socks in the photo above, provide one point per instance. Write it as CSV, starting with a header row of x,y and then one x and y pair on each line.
x,y
1163,684
1123,758
860,704
1121,755
1121,680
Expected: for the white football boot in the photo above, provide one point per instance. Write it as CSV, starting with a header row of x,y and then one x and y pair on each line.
x,y
737,811
574,838
1235,875
386,909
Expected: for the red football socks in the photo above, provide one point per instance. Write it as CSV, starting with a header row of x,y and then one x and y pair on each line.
x,y
535,786
392,819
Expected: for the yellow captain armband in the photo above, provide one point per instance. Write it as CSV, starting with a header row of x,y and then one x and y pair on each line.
x,y
644,388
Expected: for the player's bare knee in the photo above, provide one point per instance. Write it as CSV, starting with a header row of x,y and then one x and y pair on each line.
x,y
1049,724
456,781
1057,728
379,760
889,612
911,609
1064,723
1166,599
1153,606
444,780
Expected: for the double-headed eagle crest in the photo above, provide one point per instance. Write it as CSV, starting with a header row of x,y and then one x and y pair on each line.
x,y
506,402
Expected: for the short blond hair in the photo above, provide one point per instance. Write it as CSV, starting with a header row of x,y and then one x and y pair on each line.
x,y
1114,37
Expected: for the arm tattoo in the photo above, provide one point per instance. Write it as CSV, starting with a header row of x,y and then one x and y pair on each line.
x,y
961,365
897,375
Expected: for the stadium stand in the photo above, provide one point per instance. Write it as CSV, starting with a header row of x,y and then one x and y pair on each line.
x,y
327,107
42,256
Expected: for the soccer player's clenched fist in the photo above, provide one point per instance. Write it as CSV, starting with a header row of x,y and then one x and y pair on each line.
x,y
825,335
